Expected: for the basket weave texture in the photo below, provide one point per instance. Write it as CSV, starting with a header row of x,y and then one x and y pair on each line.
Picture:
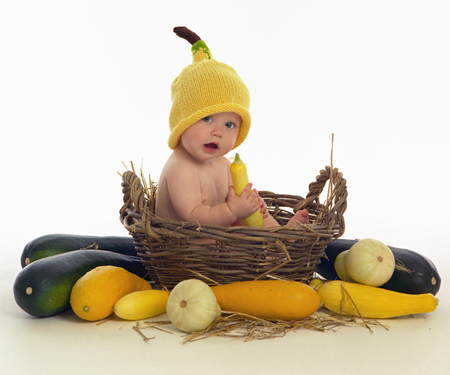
x,y
173,250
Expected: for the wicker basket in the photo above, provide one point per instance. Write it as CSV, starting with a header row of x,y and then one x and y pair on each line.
x,y
171,250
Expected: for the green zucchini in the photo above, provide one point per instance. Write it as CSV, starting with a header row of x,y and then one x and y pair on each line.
x,y
326,266
413,274
43,287
52,244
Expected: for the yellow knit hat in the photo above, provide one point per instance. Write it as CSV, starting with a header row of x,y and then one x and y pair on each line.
x,y
203,88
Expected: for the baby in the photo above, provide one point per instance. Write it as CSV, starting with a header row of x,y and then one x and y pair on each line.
x,y
209,118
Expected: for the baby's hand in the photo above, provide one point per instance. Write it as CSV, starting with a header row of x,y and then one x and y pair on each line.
x,y
264,210
245,204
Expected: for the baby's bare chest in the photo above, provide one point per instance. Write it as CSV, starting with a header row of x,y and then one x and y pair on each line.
x,y
213,187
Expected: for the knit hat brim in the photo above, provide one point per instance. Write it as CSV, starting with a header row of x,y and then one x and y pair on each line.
x,y
244,128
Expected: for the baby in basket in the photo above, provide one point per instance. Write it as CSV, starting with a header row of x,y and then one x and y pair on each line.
x,y
209,117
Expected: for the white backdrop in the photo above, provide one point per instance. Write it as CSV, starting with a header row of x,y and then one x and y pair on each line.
x,y
85,86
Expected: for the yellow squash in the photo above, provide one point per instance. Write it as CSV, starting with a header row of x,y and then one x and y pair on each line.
x,y
268,299
240,181
371,302
142,304
93,296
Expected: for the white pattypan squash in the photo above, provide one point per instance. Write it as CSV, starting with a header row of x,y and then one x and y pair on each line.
x,y
339,266
192,305
370,262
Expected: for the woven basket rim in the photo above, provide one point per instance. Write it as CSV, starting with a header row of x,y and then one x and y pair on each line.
x,y
170,250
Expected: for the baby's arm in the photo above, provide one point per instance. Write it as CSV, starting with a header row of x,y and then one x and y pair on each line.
x,y
187,200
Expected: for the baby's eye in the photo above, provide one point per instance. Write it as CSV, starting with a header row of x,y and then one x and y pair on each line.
x,y
207,119
230,125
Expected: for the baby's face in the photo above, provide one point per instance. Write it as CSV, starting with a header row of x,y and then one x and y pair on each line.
x,y
212,136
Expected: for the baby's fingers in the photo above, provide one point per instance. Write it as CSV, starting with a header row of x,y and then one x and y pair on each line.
x,y
247,191
264,210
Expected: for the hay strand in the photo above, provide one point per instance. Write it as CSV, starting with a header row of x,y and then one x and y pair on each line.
x,y
249,328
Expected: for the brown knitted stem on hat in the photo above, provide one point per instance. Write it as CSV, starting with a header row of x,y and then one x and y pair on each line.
x,y
185,33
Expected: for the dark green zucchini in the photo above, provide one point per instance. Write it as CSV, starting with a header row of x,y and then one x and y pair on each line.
x,y
43,287
414,273
326,266
52,244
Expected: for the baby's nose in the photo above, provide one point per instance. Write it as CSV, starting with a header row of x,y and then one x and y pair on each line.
x,y
217,131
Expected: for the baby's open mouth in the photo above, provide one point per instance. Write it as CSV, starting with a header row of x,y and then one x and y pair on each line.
x,y
211,145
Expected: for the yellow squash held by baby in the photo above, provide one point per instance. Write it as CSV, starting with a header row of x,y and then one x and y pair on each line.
x,y
240,181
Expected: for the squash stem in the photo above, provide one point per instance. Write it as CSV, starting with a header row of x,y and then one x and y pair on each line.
x,y
237,159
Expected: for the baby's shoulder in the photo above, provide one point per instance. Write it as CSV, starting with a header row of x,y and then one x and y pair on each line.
x,y
223,160
176,165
